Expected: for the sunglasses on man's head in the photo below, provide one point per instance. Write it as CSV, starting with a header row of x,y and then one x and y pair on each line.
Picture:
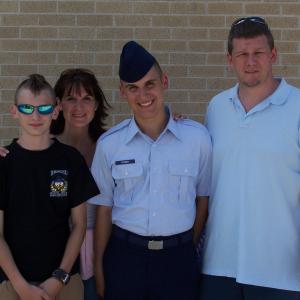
x,y
258,20
28,109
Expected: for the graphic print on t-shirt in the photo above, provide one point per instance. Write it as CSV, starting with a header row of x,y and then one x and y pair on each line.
x,y
59,183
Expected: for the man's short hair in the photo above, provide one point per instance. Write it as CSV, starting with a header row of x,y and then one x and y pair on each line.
x,y
249,27
35,83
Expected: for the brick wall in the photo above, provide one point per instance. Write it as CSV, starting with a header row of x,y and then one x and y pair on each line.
x,y
187,37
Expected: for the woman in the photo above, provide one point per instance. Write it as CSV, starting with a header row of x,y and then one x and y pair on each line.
x,y
79,124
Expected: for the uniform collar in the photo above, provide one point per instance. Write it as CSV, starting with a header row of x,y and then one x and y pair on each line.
x,y
172,127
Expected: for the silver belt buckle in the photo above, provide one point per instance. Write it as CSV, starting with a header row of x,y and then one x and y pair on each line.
x,y
156,245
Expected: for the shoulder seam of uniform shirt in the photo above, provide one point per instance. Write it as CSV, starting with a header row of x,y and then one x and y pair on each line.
x,y
190,122
115,129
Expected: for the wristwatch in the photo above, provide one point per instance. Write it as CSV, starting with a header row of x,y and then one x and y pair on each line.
x,y
61,275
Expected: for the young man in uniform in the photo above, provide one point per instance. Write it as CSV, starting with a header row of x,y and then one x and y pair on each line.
x,y
253,230
43,185
153,172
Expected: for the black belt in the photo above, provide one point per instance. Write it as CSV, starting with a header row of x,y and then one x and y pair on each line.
x,y
153,242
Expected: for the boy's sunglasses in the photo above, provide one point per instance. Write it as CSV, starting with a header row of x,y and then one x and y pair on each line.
x,y
258,20
28,109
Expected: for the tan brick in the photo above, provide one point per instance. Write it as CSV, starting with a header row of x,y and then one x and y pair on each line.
x,y
191,59
19,20
162,58
207,46
95,20
196,118
53,70
220,83
283,22
187,8
106,71
294,81
75,58
38,58
38,32
187,83
94,45
83,33
175,71
5,142
122,107
291,35
115,33
120,118
5,106
262,9
170,46
150,8
207,71
286,71
188,34
9,121
118,44
9,132
8,58
291,9
225,8
56,20
106,58
290,59
109,82
114,7
287,47
169,21
9,32
207,21
218,34
18,70
132,20
152,33
191,108
57,45
203,95
38,6
8,95
9,6
216,59
176,96
76,7
18,45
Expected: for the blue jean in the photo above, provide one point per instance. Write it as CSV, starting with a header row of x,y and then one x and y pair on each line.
x,y
90,292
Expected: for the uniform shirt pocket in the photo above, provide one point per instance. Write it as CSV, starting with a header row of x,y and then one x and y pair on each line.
x,y
126,178
182,176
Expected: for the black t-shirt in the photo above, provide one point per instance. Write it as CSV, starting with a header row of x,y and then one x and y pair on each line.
x,y
38,189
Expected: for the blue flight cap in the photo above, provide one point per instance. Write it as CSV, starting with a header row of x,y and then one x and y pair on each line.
x,y
135,62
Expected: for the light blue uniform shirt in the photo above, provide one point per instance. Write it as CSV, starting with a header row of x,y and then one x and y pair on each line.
x,y
152,185
253,230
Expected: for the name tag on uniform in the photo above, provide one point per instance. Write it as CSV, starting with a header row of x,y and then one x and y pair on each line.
x,y
125,162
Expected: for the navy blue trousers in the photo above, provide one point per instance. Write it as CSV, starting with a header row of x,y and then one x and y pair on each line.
x,y
134,273
226,288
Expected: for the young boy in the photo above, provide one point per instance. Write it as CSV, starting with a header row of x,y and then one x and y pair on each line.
x,y
43,185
